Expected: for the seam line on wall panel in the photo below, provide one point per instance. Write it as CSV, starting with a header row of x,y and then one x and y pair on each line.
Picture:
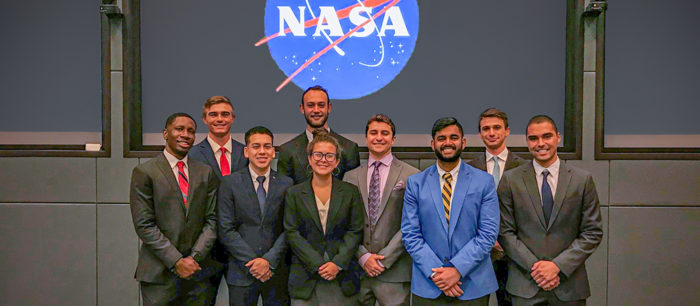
x,y
97,240
653,206
48,203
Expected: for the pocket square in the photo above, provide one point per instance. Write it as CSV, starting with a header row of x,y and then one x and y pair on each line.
x,y
399,186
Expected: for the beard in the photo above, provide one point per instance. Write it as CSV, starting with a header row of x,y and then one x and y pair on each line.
x,y
455,157
316,126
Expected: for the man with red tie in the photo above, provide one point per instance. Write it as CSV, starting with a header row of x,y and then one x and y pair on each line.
x,y
173,207
223,154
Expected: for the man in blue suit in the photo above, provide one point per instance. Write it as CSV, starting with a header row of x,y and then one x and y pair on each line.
x,y
251,210
449,225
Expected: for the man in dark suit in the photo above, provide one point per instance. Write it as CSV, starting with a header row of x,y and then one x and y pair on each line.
x,y
293,160
449,225
382,182
251,209
173,206
550,223
494,129
224,155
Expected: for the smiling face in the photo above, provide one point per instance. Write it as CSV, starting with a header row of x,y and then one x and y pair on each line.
x,y
448,143
179,136
323,166
493,133
379,139
219,118
260,152
542,141
315,107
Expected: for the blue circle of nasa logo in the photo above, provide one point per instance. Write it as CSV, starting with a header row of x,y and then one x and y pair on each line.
x,y
351,47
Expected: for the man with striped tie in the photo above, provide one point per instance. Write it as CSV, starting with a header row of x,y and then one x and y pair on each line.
x,y
173,207
449,224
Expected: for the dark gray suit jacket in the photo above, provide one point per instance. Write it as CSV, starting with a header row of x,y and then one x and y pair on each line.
x,y
573,233
293,161
245,231
169,232
204,153
384,237
512,161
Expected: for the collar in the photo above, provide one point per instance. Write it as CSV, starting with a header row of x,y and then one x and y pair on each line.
x,y
310,136
553,168
502,156
172,160
453,172
215,146
254,175
386,160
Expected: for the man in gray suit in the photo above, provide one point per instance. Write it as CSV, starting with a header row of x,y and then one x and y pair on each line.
x,y
382,182
550,223
494,129
251,209
173,206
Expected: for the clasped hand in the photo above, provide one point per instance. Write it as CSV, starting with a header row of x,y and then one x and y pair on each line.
x,y
260,269
447,280
546,274
372,266
328,271
185,267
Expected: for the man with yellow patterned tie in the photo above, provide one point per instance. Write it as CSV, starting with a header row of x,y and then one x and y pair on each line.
x,y
449,225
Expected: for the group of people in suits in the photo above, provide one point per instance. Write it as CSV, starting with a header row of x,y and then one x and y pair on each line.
x,y
325,230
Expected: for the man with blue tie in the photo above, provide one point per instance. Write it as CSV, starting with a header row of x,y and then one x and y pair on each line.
x,y
449,225
224,155
251,209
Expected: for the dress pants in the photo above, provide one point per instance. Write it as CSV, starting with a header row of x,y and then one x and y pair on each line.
x,y
327,294
274,292
373,290
176,291
446,300
543,298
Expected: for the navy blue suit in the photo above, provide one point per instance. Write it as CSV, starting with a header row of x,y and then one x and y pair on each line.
x,y
247,233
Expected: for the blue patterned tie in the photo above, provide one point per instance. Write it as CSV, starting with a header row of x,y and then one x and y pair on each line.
x,y
547,199
373,204
261,192
496,172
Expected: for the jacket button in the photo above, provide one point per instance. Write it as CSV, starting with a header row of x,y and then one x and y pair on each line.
x,y
446,260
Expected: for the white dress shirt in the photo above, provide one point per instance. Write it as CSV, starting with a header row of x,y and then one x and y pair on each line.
x,y
552,178
501,162
322,211
254,177
172,160
217,150
454,172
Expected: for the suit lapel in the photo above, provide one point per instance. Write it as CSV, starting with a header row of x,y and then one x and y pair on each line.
x,y
480,162
562,185
211,158
337,196
247,182
362,180
464,179
391,181
534,193
164,167
436,191
271,187
309,201
510,161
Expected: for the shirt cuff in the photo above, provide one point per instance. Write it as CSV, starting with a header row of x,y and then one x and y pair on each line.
x,y
380,263
363,259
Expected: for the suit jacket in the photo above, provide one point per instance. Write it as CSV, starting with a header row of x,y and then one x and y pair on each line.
x,y
245,231
294,162
168,231
465,244
204,153
512,161
384,237
308,243
573,233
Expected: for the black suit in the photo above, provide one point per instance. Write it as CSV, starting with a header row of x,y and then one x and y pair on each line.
x,y
249,233
500,265
293,160
308,242
204,153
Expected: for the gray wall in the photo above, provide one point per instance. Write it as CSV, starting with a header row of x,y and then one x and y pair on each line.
x,y
67,236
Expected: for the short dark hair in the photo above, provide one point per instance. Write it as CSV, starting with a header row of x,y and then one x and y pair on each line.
x,y
381,118
493,112
215,100
321,135
316,87
257,130
540,119
445,122
172,117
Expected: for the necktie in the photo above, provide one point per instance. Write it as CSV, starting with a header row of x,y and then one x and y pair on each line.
x,y
261,192
223,161
547,200
182,181
447,194
496,170
374,199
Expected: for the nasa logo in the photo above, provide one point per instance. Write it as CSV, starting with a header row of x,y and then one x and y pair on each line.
x,y
351,47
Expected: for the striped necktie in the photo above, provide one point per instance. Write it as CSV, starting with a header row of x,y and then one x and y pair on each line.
x,y
182,181
447,194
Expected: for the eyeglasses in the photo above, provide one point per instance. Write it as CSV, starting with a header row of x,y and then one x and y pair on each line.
x,y
317,156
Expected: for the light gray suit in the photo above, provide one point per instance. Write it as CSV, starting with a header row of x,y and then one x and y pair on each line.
x,y
384,238
573,233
